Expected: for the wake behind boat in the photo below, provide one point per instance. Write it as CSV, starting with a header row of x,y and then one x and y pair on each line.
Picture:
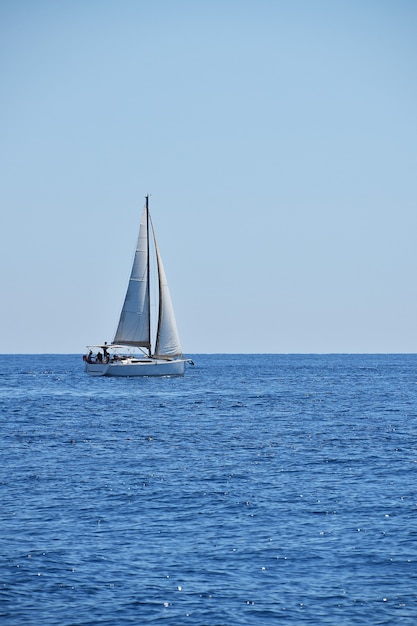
x,y
134,352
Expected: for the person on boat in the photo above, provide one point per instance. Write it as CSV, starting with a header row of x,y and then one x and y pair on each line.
x,y
90,354
105,352
99,357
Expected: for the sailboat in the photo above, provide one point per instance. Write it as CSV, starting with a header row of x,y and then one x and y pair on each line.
x,y
136,350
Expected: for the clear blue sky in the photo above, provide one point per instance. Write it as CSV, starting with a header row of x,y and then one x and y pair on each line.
x,y
278,140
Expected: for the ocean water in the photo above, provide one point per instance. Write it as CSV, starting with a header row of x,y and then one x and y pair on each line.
x,y
258,489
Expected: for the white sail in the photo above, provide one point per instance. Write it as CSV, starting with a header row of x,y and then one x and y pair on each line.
x,y
134,324
167,339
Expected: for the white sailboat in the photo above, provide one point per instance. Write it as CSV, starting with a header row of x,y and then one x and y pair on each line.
x,y
136,350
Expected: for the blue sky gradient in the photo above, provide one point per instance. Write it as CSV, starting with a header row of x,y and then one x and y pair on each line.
x,y
278,140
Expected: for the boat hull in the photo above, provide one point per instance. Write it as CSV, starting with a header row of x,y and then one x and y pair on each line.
x,y
137,367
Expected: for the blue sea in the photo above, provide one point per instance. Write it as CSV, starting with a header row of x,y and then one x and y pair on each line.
x,y
258,489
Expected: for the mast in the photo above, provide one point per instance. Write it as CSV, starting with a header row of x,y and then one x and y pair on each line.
x,y
148,268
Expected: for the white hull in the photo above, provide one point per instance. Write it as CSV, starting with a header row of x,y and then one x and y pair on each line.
x,y
137,367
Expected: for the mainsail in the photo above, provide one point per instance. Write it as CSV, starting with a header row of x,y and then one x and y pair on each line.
x,y
134,327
